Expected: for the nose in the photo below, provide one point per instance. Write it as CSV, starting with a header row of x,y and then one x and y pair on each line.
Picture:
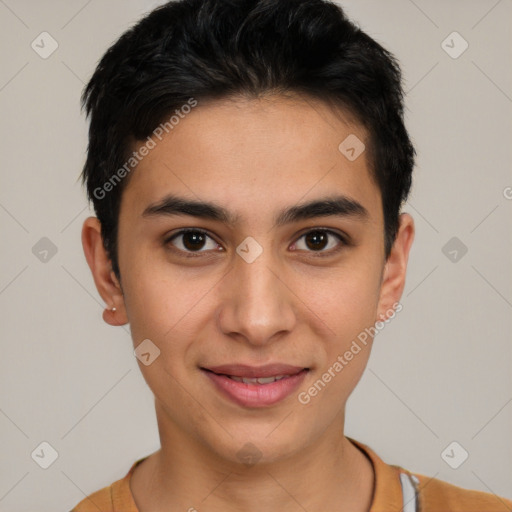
x,y
257,304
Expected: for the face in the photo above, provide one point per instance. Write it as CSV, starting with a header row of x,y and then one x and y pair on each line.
x,y
276,277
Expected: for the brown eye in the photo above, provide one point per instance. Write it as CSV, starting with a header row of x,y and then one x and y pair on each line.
x,y
317,240
192,240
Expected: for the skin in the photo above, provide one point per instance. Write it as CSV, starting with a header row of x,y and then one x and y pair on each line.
x,y
254,157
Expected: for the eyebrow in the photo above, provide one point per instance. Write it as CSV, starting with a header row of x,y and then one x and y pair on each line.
x,y
338,206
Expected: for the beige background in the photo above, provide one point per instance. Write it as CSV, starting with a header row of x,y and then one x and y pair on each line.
x,y
440,372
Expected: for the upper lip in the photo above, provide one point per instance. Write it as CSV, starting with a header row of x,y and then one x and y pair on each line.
x,y
268,370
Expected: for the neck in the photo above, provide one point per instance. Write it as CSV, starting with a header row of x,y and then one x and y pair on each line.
x,y
330,473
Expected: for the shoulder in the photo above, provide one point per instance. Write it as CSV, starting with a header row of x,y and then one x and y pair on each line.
x,y
440,496
99,500
116,497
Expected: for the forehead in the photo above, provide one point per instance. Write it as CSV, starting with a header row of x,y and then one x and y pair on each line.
x,y
256,155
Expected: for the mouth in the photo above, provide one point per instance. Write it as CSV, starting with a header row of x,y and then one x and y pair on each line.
x,y
251,386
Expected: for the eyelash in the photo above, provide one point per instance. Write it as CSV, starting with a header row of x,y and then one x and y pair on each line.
x,y
195,254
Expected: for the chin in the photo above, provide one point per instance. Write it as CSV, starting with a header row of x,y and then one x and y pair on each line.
x,y
266,445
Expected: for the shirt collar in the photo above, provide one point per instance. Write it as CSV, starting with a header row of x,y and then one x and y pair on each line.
x,y
387,491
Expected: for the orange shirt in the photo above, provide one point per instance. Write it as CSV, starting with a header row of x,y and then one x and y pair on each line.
x,y
389,494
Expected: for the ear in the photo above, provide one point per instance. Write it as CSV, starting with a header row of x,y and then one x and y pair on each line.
x,y
393,276
106,282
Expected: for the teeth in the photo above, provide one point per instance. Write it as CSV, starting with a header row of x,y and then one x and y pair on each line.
x,y
258,380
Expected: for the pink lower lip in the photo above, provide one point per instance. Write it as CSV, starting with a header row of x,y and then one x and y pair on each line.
x,y
256,395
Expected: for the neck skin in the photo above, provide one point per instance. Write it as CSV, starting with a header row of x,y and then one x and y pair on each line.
x,y
331,474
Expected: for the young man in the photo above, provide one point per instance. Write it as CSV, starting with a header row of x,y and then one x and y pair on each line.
x,y
247,163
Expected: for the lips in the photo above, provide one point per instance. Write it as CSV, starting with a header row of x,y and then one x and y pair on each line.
x,y
254,372
256,386
258,380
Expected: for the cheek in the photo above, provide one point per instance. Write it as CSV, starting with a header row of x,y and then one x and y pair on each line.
x,y
145,307
347,304
345,299
164,304
156,307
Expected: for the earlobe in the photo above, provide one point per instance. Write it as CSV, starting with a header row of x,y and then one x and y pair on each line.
x,y
105,280
110,316
393,280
